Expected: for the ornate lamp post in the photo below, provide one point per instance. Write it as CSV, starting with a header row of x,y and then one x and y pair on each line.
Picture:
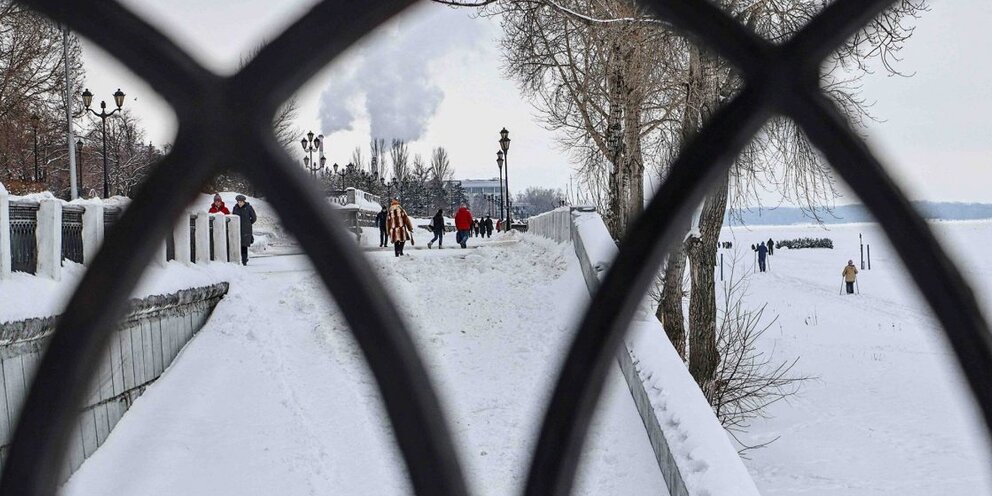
x,y
79,170
119,100
499,163
34,127
310,145
504,145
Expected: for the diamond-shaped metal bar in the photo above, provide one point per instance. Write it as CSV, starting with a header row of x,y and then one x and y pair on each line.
x,y
205,106
704,161
785,78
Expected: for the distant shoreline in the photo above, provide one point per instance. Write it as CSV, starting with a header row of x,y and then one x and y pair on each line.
x,y
856,214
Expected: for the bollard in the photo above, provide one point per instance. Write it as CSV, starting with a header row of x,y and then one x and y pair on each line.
x,y
220,237
48,239
202,241
234,239
180,240
5,247
93,227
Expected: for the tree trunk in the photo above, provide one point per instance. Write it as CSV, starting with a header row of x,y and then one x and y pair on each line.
x,y
670,310
703,354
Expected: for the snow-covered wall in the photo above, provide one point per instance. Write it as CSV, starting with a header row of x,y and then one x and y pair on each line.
x,y
148,339
693,451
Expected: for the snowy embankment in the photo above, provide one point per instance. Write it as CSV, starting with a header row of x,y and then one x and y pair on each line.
x,y
273,395
687,437
887,410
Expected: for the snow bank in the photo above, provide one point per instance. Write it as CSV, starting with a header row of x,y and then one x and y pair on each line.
x,y
27,296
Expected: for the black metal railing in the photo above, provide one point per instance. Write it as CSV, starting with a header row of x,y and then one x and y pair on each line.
x,y
24,247
72,233
110,217
780,80
192,239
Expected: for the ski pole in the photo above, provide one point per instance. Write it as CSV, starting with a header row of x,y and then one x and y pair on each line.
x,y
857,286
841,286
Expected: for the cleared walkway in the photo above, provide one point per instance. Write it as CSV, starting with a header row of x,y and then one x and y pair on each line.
x,y
273,396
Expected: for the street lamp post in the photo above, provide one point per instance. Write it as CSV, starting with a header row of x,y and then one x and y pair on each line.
x,y
499,163
119,100
504,145
34,127
310,145
79,153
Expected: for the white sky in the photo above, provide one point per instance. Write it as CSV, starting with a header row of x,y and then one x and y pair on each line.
x,y
934,135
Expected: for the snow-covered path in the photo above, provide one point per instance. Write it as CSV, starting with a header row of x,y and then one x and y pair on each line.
x,y
273,396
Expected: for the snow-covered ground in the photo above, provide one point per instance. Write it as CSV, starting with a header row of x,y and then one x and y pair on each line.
x,y
273,396
887,411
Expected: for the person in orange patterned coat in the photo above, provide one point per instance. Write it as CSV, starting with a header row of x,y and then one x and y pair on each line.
x,y
399,226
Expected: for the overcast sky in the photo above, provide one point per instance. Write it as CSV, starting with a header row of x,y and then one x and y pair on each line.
x,y
434,76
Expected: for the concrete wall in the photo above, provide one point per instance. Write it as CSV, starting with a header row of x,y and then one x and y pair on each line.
x,y
691,448
142,347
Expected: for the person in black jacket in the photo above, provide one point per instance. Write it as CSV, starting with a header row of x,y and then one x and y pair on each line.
x,y
380,220
489,226
437,226
771,246
246,212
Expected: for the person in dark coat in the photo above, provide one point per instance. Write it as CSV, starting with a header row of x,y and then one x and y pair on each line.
x,y
489,226
771,246
246,212
475,228
380,220
762,253
437,225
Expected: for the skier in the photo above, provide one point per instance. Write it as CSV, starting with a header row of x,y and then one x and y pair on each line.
x,y
850,274
771,246
437,225
380,220
762,252
246,212
489,226
400,227
218,207
463,225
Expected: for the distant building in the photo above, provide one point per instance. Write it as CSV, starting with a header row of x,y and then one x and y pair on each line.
x,y
473,187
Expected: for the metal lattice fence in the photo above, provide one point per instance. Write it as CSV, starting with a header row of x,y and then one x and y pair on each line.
x,y
72,233
23,225
780,80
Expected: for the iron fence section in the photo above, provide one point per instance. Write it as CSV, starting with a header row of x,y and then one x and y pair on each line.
x,y
72,233
192,239
23,226
779,80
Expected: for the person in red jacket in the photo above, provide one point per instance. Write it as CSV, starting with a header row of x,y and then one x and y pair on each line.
x,y
217,207
463,224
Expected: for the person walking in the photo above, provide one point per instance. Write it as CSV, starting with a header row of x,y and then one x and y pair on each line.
x,y
762,253
771,246
850,275
246,212
218,207
475,228
499,225
463,225
380,221
437,225
399,226
489,226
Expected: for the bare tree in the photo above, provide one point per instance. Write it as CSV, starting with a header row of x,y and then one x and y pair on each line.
x,y
399,156
357,159
441,170
377,160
